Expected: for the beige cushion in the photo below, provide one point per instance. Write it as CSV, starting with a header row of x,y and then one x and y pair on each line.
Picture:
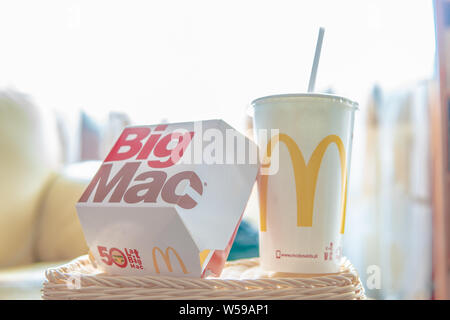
x,y
59,231
29,153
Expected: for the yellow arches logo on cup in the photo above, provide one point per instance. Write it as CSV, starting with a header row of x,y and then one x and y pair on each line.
x,y
166,258
305,176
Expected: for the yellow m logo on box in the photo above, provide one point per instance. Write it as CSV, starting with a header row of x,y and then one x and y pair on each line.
x,y
305,178
166,259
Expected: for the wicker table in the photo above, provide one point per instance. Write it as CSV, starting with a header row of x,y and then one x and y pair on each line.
x,y
241,279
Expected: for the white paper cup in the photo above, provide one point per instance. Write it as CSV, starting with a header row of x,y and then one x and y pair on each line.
x,y
303,198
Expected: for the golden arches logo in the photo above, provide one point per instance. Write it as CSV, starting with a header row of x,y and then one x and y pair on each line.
x,y
166,259
305,178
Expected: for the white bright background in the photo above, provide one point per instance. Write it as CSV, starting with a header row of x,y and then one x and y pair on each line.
x,y
191,60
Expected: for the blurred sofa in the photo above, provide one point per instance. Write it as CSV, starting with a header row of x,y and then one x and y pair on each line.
x,y
38,221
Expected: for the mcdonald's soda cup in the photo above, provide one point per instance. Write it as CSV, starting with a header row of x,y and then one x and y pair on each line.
x,y
305,143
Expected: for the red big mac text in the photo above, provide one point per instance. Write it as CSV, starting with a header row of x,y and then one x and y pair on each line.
x,y
140,146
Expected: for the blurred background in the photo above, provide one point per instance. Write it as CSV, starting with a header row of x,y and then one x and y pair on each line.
x,y
74,73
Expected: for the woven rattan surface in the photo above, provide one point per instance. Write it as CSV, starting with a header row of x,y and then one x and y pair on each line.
x,y
241,279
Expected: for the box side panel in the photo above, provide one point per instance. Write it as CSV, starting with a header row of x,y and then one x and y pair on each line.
x,y
139,241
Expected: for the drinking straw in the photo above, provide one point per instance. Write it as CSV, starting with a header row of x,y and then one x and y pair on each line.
x,y
312,78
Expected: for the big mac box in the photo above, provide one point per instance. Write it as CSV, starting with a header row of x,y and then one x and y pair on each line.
x,y
168,199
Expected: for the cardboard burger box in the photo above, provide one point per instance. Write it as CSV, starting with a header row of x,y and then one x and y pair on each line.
x,y
168,199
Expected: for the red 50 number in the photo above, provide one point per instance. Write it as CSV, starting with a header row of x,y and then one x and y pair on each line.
x,y
114,255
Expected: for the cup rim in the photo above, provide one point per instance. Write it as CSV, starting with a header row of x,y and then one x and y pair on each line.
x,y
348,102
